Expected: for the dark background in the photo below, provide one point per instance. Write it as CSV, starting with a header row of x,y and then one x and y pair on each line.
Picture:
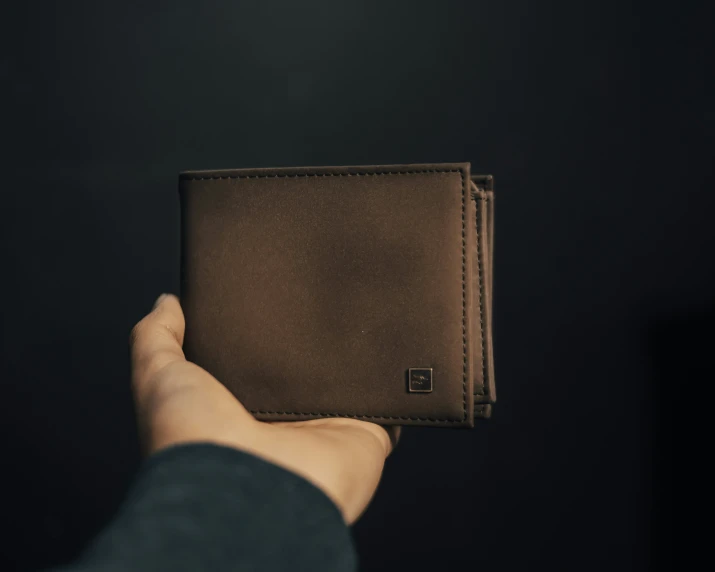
x,y
596,119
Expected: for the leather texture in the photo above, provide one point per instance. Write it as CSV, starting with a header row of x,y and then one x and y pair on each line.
x,y
311,292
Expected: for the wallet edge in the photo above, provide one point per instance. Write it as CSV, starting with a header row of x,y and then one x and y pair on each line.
x,y
472,410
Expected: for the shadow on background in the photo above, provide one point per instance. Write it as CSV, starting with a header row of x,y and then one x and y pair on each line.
x,y
76,280
681,348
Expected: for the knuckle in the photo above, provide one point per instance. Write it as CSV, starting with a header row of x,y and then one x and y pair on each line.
x,y
171,331
136,333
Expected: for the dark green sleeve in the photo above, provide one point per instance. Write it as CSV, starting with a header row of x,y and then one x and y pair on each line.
x,y
204,507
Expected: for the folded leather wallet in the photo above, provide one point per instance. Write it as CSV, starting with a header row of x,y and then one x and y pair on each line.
x,y
360,292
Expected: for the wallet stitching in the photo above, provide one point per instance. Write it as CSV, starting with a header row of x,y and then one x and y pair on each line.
x,y
464,296
480,391
296,175
358,416
464,308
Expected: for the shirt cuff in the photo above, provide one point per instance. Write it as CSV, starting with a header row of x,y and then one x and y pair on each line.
x,y
209,507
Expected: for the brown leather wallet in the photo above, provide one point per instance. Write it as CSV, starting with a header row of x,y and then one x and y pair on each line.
x,y
360,292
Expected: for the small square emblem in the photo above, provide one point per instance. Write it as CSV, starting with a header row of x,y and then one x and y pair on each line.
x,y
420,379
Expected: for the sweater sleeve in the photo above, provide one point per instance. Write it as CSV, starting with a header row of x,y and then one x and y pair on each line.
x,y
207,507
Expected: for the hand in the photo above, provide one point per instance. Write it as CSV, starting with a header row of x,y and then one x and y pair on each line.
x,y
179,402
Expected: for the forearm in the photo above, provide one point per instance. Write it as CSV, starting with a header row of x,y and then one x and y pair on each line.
x,y
206,507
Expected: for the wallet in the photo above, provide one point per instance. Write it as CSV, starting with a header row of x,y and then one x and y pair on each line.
x,y
362,292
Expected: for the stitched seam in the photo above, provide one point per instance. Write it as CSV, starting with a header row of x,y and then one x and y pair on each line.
x,y
358,416
481,302
464,254
479,391
297,175
479,410
464,296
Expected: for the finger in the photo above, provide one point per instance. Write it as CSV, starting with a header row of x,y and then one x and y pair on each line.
x,y
157,339
385,436
394,432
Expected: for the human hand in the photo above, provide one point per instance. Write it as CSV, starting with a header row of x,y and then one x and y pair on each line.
x,y
179,402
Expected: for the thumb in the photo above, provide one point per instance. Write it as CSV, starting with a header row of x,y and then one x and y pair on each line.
x,y
156,340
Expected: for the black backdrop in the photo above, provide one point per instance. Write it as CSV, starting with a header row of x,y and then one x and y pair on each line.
x,y
594,119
